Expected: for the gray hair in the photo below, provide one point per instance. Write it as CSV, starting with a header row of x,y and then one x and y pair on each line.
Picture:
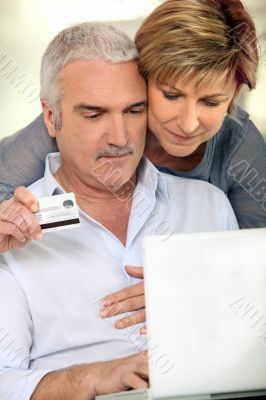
x,y
87,41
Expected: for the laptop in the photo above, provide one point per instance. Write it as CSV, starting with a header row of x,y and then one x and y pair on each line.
x,y
206,316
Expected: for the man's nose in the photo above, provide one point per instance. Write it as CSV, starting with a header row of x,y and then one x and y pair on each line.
x,y
117,131
188,119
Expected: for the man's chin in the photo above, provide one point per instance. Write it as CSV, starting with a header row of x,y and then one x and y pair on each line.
x,y
114,177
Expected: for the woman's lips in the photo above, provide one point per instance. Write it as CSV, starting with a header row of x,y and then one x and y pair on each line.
x,y
180,138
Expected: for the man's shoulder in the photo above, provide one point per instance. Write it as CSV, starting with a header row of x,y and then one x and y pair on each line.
x,y
179,185
202,205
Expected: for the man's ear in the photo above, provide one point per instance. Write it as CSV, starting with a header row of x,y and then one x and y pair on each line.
x,y
48,116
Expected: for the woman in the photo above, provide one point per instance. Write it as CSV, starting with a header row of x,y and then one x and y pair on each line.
x,y
195,56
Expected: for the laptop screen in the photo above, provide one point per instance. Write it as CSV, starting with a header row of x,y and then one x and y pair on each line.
x,y
206,312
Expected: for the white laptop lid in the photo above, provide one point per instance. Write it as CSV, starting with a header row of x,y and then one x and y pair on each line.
x,y
206,312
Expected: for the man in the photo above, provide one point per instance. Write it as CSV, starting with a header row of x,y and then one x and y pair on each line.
x,y
52,290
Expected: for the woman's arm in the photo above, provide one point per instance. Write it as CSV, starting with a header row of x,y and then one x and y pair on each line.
x,y
22,157
247,174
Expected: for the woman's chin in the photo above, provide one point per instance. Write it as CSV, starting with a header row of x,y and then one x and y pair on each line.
x,y
180,151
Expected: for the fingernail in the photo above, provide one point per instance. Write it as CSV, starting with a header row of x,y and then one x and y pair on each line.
x,y
107,302
35,207
103,313
143,331
119,324
38,236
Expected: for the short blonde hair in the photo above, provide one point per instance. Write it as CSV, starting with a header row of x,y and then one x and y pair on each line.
x,y
202,38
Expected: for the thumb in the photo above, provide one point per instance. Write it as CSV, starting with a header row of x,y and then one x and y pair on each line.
x,y
138,272
24,195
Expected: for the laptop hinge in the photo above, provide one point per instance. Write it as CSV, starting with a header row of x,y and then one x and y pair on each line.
x,y
249,395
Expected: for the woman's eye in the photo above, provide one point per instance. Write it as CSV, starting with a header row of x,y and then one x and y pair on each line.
x,y
211,103
171,96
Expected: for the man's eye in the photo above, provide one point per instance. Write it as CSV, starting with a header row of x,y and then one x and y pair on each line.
x,y
171,96
136,111
92,116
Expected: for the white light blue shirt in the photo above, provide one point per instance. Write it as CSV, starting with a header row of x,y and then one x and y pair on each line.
x,y
51,291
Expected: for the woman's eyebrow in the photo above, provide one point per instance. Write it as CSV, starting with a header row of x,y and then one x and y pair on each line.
x,y
170,88
216,96
205,96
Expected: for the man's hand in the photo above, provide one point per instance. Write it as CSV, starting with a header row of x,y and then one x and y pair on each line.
x,y
125,300
84,382
18,225
123,374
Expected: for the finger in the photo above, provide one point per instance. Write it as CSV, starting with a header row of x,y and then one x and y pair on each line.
x,y
37,234
23,219
4,207
9,229
134,319
133,381
123,294
142,366
132,304
26,224
25,196
138,272
143,330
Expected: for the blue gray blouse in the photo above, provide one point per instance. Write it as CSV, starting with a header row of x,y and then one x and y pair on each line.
x,y
234,161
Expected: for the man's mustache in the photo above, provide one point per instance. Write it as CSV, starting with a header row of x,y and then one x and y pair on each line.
x,y
114,151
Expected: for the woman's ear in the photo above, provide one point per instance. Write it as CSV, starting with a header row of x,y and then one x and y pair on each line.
x,y
48,116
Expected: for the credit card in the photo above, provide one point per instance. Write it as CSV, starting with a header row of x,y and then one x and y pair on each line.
x,y
58,212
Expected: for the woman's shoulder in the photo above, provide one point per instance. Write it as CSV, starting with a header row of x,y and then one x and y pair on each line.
x,y
238,142
238,132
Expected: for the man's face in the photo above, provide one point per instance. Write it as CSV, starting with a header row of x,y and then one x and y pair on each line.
x,y
103,110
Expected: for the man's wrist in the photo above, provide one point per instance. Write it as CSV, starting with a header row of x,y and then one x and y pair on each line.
x,y
83,378
74,382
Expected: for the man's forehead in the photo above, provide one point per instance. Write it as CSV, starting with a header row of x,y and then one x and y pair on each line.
x,y
100,73
100,82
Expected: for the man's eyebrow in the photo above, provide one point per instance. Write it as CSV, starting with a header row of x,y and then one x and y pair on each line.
x,y
90,107
87,107
139,104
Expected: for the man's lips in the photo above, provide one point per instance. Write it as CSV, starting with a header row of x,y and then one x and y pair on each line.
x,y
115,157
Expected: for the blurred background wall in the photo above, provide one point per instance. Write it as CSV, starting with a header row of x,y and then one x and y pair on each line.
x,y
26,27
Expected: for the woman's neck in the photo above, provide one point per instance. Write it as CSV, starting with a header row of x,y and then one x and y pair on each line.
x,y
155,152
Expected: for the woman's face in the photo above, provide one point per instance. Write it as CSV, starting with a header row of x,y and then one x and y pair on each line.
x,y
184,116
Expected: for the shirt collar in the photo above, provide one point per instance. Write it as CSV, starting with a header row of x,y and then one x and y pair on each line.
x,y
149,178
52,164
